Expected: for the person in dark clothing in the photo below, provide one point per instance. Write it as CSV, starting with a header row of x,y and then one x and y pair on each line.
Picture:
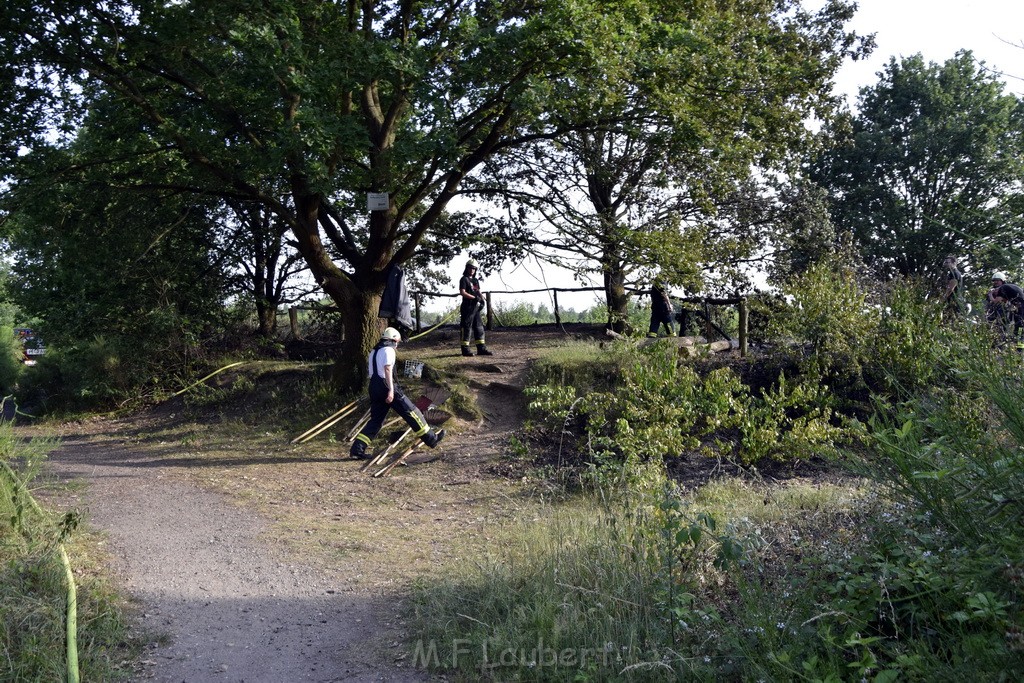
x,y
953,294
470,309
1009,296
994,311
662,312
385,394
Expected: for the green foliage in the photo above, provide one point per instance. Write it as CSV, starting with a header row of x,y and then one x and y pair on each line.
x,y
956,451
648,407
856,338
830,312
11,355
94,374
931,166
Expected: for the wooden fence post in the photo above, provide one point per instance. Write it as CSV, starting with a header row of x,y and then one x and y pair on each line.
x,y
743,327
416,299
293,321
707,322
490,313
558,319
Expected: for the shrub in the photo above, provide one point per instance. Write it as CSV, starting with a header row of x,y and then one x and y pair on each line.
x,y
10,359
647,405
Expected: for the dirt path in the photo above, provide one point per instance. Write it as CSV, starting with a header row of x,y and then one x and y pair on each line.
x,y
252,560
221,599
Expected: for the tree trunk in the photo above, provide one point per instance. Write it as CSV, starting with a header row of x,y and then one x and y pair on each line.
x,y
266,315
362,331
618,300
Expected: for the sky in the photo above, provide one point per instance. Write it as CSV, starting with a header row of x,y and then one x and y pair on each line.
x,y
992,29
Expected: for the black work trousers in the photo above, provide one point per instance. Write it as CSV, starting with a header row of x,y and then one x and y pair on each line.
x,y
472,324
379,408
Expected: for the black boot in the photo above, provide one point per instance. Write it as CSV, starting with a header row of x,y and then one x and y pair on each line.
x,y
433,438
466,351
481,350
358,450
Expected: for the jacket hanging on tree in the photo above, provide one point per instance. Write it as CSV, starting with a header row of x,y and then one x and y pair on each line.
x,y
395,301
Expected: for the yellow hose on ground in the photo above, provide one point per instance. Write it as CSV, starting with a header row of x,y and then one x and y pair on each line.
x,y
443,321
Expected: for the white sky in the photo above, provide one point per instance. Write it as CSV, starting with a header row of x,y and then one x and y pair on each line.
x,y
992,29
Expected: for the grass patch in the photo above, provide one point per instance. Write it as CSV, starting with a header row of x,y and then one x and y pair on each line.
x,y
637,591
33,584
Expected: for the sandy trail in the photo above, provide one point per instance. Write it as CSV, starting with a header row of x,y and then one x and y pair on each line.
x,y
208,577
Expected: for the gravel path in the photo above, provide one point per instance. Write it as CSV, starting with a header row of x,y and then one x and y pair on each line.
x,y
229,604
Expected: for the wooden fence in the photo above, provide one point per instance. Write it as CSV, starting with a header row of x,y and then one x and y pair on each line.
x,y
703,310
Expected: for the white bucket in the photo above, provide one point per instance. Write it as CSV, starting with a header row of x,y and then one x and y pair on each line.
x,y
414,369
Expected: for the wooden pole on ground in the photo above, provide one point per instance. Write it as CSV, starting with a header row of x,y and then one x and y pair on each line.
x,y
325,420
327,425
395,462
384,453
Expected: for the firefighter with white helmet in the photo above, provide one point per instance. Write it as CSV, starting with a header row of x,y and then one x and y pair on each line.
x,y
470,310
1003,298
385,394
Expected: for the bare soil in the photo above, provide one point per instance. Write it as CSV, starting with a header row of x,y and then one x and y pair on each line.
x,y
252,559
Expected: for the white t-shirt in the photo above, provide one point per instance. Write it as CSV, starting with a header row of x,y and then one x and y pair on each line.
x,y
384,357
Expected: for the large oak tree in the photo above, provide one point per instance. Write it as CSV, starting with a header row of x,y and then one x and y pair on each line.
x,y
690,110
329,99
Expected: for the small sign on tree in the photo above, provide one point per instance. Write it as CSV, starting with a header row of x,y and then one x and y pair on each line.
x,y
376,201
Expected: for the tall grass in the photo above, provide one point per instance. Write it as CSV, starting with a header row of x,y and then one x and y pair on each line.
x,y
643,590
33,585
575,592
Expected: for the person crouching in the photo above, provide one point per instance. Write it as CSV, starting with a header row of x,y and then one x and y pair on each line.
x,y
385,394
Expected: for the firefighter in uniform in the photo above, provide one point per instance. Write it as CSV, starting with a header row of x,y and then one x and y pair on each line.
x,y
662,312
385,394
472,305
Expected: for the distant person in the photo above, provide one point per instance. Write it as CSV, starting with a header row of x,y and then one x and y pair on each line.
x,y
953,293
662,312
1007,295
470,311
385,394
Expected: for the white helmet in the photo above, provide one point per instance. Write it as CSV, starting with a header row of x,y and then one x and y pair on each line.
x,y
999,275
391,334
471,263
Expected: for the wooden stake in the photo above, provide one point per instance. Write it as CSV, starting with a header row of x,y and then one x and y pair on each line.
x,y
383,454
324,421
360,423
395,462
328,425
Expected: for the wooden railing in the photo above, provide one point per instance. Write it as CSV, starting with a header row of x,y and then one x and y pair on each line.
x,y
703,313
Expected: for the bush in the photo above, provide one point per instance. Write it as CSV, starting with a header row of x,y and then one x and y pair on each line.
x,y
92,375
647,406
11,356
